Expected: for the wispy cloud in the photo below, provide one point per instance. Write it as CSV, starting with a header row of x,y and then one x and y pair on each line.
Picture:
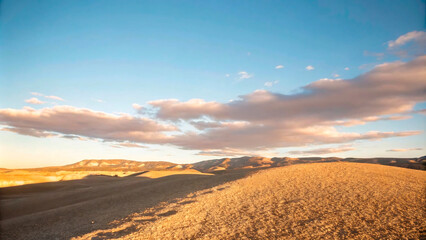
x,y
346,69
47,96
34,101
228,152
137,107
279,67
270,84
244,75
408,45
54,98
309,68
128,145
414,36
322,151
404,149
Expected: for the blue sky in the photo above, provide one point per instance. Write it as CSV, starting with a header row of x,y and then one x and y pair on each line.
x,y
107,55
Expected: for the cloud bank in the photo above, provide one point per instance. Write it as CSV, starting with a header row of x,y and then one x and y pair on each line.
x,y
256,122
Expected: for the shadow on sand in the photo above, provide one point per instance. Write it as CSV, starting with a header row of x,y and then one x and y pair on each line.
x,y
73,208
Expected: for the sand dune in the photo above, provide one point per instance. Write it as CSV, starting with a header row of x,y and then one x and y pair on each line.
x,y
61,210
336,200
309,201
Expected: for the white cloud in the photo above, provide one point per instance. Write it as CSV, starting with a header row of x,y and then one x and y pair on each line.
x,y
34,101
244,75
346,69
411,44
227,75
414,36
54,98
279,67
45,96
270,84
137,107
309,68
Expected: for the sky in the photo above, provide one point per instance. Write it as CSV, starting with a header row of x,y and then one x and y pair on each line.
x,y
185,81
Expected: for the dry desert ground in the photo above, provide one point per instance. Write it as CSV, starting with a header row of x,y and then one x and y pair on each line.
x,y
336,200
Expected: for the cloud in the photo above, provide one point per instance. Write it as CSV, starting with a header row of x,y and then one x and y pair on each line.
x,y
279,67
34,101
46,96
421,111
244,75
194,108
270,84
227,152
128,144
414,36
137,107
346,69
74,137
29,132
365,120
322,151
408,45
70,120
309,68
252,122
54,98
227,75
404,149
307,118
335,75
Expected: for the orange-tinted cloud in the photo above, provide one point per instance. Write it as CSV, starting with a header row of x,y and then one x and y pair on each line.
x,y
84,122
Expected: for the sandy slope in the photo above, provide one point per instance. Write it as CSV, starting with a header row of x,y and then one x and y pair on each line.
x,y
61,210
308,201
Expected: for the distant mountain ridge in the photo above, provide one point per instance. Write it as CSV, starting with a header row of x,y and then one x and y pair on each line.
x,y
263,162
227,163
122,164
124,168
